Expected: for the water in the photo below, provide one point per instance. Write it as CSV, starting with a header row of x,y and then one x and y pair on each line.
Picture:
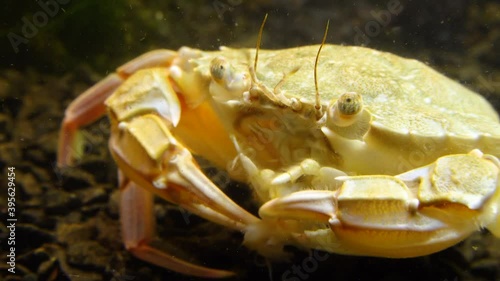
x,y
67,224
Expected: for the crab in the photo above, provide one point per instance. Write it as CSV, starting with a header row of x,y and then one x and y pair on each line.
x,y
351,151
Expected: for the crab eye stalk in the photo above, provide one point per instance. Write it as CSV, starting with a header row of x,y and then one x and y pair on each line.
x,y
220,70
346,109
227,83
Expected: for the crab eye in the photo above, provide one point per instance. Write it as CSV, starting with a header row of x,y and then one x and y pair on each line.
x,y
227,82
350,103
344,111
219,69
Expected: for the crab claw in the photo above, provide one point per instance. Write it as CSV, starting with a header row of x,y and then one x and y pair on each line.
x,y
397,216
315,205
149,117
147,121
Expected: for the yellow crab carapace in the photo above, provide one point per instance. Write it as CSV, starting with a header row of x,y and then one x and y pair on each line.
x,y
393,160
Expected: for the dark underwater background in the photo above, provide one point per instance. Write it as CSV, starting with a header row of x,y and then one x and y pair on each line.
x,y
67,220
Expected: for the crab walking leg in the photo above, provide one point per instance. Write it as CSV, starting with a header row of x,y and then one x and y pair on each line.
x,y
89,106
156,58
138,228
416,213
145,114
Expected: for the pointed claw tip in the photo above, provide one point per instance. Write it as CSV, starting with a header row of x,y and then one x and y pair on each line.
x,y
223,274
342,178
160,183
235,142
334,222
175,71
122,125
281,179
175,117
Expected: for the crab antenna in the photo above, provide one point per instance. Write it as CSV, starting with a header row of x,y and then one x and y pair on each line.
x,y
318,102
258,43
